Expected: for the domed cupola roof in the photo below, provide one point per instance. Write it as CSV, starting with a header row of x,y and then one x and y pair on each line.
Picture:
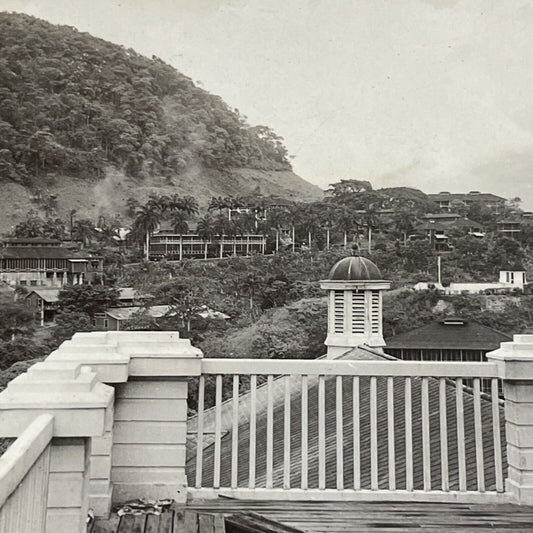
x,y
355,269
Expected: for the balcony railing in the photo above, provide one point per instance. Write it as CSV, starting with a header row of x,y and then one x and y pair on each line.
x,y
24,471
348,429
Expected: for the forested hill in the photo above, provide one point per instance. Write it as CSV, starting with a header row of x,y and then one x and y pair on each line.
x,y
74,105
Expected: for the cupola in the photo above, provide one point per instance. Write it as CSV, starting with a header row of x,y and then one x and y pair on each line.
x,y
355,287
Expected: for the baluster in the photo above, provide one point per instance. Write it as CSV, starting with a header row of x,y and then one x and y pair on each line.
x,y
374,483
253,417
426,451
390,432
321,432
356,435
408,436
218,430
305,422
200,433
443,436
496,434
270,433
460,434
287,435
478,437
339,436
235,434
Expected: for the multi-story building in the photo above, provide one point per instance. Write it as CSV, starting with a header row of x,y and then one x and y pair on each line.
x,y
176,246
45,262
446,200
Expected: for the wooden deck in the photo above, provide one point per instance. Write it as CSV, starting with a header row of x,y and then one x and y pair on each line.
x,y
333,517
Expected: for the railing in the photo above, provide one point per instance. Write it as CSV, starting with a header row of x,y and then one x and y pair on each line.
x,y
348,430
24,471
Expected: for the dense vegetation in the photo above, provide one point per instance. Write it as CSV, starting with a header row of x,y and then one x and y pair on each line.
x,y
72,104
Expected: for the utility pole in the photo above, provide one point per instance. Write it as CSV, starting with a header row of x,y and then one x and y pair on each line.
x,y
439,270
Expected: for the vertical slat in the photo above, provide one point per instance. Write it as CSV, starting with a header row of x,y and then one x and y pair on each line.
x,y
287,435
321,432
305,423
443,436
390,433
235,434
374,485
496,435
426,452
460,434
478,436
253,424
356,435
218,430
408,436
270,433
340,432
200,433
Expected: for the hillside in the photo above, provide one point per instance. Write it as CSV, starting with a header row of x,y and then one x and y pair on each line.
x,y
81,117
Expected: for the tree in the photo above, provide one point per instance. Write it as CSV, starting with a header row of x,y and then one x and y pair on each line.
x,y
147,221
206,230
404,220
89,299
371,220
15,320
69,322
83,230
344,189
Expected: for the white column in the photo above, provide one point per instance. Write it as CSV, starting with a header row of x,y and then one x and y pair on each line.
x,y
515,362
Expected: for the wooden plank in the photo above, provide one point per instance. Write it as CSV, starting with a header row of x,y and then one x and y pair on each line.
x,y
390,433
321,432
270,432
478,435
218,430
408,436
206,523
253,431
235,433
153,523
191,522
496,435
461,456
200,434
305,422
356,421
178,524
287,435
165,523
373,434
349,368
340,432
220,526
443,423
426,451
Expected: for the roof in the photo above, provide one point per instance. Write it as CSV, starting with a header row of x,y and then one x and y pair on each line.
x,y
483,196
49,295
126,313
462,223
355,268
42,252
365,432
438,216
470,335
31,240
439,226
129,293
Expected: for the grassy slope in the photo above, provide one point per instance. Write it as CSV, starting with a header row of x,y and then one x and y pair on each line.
x,y
92,198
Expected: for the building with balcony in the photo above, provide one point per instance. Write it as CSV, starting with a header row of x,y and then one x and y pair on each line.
x,y
315,444
45,262
174,246
447,201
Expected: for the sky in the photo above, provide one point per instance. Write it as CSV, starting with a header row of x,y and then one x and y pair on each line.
x,y
433,94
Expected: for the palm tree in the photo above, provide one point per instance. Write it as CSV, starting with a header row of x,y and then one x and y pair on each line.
x,y
217,203
83,230
346,222
309,221
371,219
206,230
186,204
404,220
178,220
147,220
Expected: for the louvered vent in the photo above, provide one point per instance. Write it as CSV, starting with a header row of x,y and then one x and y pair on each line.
x,y
375,312
358,312
338,312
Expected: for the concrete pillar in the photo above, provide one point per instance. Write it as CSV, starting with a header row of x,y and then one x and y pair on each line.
x,y
515,362
80,407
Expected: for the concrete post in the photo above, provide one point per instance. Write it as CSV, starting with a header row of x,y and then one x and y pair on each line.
x,y
515,362
80,407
